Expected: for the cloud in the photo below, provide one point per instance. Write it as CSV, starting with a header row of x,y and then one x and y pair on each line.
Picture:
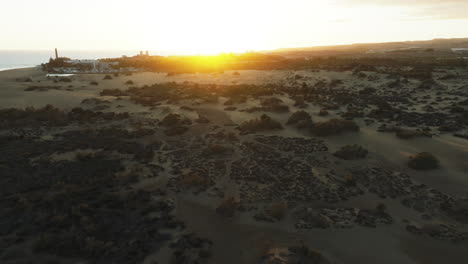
x,y
443,12
341,20
417,9
401,2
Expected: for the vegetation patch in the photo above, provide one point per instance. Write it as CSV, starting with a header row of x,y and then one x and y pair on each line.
x,y
351,152
259,124
301,119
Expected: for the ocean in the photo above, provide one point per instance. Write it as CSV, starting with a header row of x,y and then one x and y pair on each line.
x,y
14,59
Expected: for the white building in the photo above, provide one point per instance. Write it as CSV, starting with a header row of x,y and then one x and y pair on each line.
x,y
97,66
460,50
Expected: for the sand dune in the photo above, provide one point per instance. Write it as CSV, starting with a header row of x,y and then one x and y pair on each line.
x,y
192,165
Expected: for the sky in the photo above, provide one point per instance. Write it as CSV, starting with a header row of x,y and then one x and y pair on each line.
x,y
213,26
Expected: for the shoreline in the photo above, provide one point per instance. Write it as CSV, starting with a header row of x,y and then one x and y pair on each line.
x,y
2,69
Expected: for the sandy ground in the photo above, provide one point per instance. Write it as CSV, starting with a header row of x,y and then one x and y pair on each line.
x,y
242,239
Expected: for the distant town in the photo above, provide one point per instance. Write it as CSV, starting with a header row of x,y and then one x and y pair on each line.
x,y
419,54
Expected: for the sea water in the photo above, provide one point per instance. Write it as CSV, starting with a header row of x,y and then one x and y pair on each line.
x,y
14,59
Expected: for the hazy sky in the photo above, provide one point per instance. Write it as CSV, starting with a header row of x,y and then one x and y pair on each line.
x,y
211,26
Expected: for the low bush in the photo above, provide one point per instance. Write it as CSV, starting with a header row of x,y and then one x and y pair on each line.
x,y
173,120
259,124
423,161
113,92
333,127
408,133
351,152
175,131
227,207
278,210
300,117
194,179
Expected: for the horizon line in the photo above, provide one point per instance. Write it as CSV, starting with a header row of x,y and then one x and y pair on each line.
x,y
169,53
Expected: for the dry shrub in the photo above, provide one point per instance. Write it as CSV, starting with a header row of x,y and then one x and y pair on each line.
x,y
127,177
259,124
194,179
187,108
215,149
431,229
175,131
350,180
381,208
298,117
82,156
351,152
238,99
407,133
171,120
65,79
323,112
113,92
174,120
272,105
227,207
333,127
278,210
423,161
306,255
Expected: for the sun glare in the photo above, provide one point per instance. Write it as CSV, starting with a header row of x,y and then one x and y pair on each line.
x,y
208,27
